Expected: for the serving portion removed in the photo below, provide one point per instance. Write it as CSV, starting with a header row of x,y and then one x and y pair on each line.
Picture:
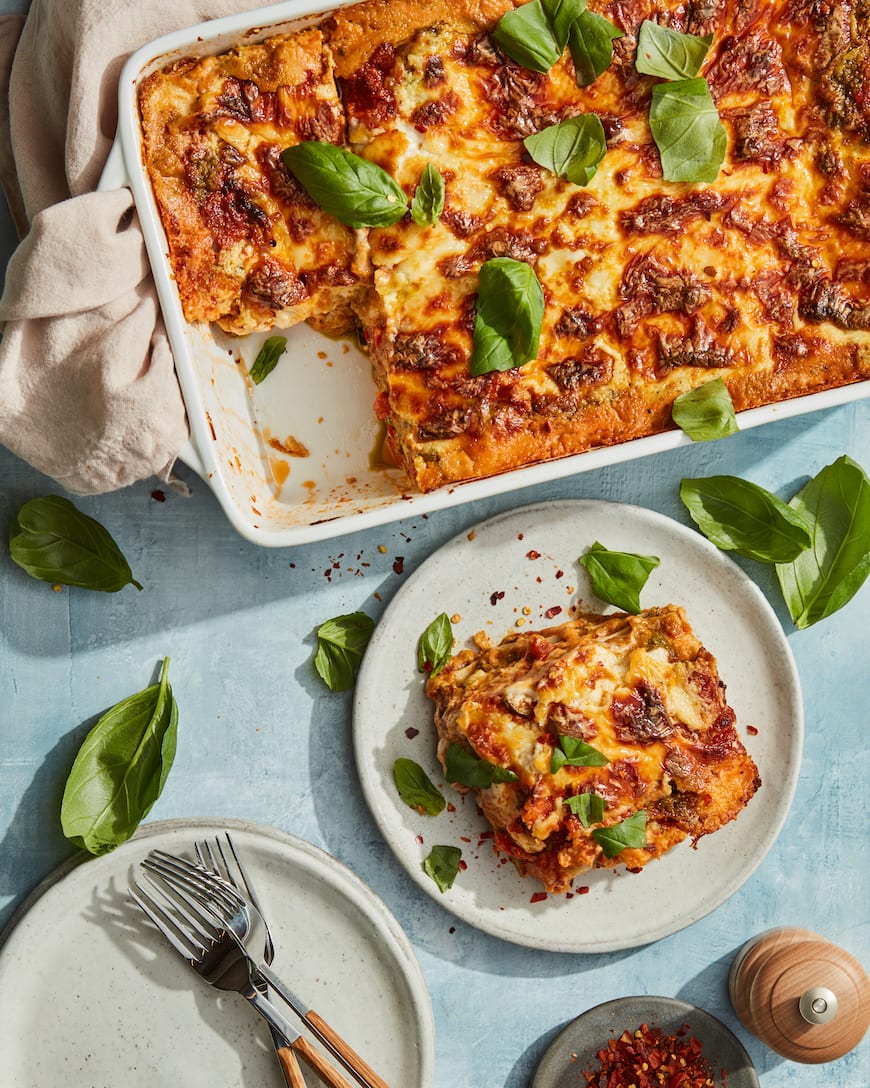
x,y
514,575
548,224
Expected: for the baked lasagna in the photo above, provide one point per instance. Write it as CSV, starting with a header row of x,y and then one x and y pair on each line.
x,y
608,741
650,287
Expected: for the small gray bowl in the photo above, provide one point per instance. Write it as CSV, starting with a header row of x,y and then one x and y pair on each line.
x,y
575,1048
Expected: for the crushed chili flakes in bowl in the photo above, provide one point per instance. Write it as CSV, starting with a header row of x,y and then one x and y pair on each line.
x,y
647,1058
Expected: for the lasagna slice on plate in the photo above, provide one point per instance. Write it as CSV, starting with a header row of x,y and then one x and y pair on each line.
x,y
607,741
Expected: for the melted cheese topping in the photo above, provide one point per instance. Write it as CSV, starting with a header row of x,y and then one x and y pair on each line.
x,y
639,689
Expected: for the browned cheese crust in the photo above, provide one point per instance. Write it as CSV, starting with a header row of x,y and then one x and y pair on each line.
x,y
651,288
643,692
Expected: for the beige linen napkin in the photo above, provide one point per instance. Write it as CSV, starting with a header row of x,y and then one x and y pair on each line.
x,y
88,393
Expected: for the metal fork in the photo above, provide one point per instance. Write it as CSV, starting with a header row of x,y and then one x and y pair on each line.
x,y
222,899
213,951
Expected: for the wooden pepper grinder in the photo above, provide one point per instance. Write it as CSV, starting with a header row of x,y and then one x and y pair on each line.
x,y
804,997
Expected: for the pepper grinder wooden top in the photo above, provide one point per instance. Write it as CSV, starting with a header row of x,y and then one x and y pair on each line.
x,y
804,997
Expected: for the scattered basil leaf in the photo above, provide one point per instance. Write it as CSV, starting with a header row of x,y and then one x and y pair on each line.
x,y
590,43
464,767
588,807
630,833
525,36
416,789
53,541
341,643
267,358
742,517
442,865
357,192
573,752
571,149
618,577
668,53
686,128
121,768
435,646
510,311
560,14
428,202
706,412
836,505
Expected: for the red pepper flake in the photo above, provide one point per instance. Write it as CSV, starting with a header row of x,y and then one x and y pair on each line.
x,y
418,839
533,554
411,732
158,496
399,564
554,611
452,929
463,865
583,889
451,807
648,1058
521,536
752,731
494,598
538,897
560,574
464,838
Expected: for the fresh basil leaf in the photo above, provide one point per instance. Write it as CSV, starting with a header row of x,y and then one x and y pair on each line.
x,y
590,43
571,149
510,311
560,14
435,646
618,577
267,358
464,767
836,505
686,128
706,412
742,517
573,752
668,53
588,807
442,865
121,768
428,202
525,36
357,192
631,833
416,789
53,541
341,643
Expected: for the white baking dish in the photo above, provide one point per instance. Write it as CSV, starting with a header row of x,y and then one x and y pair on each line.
x,y
322,393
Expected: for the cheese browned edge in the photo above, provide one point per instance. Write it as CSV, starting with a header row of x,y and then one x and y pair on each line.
x,y
651,288
640,689
248,247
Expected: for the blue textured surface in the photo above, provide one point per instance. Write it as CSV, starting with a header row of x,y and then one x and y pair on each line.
x,y
238,623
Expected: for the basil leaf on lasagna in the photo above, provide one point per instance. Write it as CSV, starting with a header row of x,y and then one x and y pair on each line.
x,y
668,53
836,506
560,15
355,191
742,517
571,149
442,865
706,412
573,752
525,36
341,643
508,317
686,128
618,577
416,789
590,43
588,807
464,767
435,645
629,834
428,202
267,358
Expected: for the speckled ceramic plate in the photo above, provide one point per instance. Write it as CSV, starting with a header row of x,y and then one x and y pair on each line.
x,y
93,997
521,568
575,1048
